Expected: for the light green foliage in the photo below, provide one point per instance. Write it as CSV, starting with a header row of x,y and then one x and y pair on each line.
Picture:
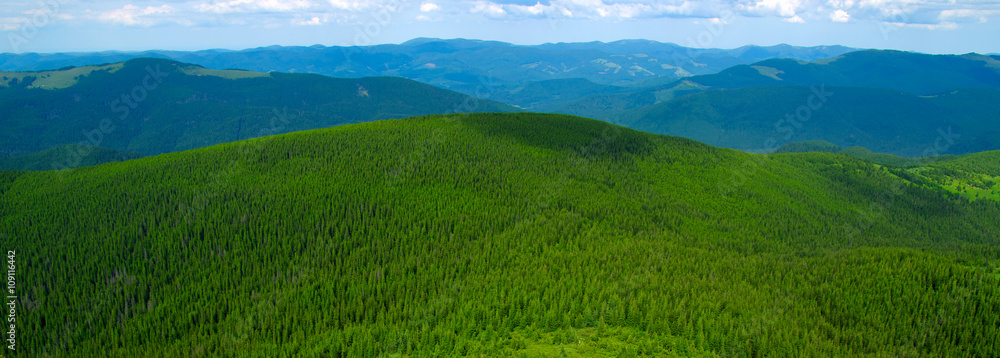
x,y
227,74
497,235
975,176
56,79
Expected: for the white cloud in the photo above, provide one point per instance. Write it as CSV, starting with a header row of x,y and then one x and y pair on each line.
x,y
598,9
945,13
132,15
967,15
795,19
315,20
927,14
489,9
234,6
429,6
840,16
782,8
841,4
940,26
354,5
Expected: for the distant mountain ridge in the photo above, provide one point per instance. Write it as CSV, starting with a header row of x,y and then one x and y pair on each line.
x,y
459,64
151,106
886,101
903,71
882,120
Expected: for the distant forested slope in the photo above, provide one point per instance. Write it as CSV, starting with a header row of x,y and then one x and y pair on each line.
x,y
153,106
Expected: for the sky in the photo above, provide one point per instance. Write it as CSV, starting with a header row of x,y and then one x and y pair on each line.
x,y
931,26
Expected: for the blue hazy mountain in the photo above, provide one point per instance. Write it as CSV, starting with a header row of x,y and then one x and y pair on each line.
x,y
470,66
151,106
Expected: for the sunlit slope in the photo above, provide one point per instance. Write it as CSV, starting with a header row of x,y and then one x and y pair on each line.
x,y
974,176
497,235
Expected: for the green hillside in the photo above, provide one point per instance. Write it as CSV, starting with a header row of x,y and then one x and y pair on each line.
x,y
974,176
498,235
860,153
153,106
882,120
809,146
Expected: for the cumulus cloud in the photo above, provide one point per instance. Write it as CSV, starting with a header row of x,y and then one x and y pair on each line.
x,y
925,12
234,6
489,9
132,15
313,21
597,9
782,8
967,15
429,6
840,16
357,5
794,19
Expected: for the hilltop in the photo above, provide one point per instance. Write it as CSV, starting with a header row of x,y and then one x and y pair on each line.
x,y
500,235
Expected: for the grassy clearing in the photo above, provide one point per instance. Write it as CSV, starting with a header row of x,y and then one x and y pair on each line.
x,y
54,79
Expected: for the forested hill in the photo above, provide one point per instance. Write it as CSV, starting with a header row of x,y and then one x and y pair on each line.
x,y
153,106
499,235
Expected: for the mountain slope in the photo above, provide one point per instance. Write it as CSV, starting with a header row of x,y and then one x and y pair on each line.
x,y
903,71
882,120
543,95
860,153
975,176
497,235
153,106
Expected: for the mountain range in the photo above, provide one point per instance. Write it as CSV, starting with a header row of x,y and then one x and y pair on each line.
x,y
459,64
890,102
153,106
755,202
887,101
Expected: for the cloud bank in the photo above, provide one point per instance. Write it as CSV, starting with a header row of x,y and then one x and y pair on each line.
x,y
929,14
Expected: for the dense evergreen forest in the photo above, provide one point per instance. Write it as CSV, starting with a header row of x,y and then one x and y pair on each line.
x,y
502,235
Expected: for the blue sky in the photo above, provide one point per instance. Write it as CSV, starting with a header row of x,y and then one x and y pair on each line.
x,y
97,25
